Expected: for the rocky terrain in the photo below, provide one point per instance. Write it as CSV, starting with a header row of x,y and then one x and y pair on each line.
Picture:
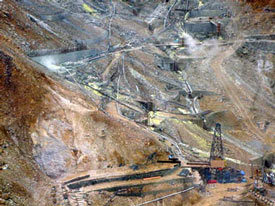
x,y
105,88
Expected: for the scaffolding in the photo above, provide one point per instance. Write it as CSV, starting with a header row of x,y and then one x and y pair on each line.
x,y
217,152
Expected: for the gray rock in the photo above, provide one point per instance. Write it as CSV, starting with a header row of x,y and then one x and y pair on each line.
x,y
53,158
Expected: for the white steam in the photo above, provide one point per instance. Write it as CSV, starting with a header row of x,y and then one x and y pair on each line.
x,y
195,48
50,63
192,44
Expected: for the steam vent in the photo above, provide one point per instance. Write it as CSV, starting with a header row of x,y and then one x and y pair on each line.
x,y
137,102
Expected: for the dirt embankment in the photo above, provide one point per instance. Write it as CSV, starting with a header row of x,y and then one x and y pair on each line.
x,y
258,16
21,96
260,4
47,130
21,32
51,129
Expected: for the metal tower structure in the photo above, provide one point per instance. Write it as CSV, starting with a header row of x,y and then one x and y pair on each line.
x,y
217,152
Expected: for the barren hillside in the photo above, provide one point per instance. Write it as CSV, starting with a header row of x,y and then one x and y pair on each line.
x,y
95,93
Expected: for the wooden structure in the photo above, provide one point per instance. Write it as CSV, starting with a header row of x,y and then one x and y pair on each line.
x,y
212,164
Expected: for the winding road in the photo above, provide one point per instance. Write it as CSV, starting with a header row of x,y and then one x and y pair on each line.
x,y
233,91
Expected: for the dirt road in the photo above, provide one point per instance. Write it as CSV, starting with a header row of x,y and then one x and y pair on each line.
x,y
216,192
234,92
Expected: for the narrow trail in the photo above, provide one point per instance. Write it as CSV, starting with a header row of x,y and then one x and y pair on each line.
x,y
233,91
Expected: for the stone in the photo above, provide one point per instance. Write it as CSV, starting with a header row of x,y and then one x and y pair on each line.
x,y
2,201
53,158
5,196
